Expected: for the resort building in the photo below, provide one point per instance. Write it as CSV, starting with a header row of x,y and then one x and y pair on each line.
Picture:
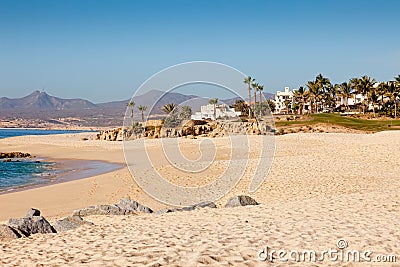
x,y
221,111
281,99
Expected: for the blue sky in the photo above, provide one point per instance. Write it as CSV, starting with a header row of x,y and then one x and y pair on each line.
x,y
103,50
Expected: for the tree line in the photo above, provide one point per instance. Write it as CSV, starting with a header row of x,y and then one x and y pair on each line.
x,y
320,93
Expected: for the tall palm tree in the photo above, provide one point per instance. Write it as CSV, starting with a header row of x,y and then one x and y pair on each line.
x,y
248,80
214,101
373,97
355,84
260,89
366,85
131,104
168,108
301,95
345,91
254,86
142,109
324,84
394,93
314,92
381,91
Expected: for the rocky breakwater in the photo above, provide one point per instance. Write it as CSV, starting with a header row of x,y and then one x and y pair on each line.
x,y
190,129
11,155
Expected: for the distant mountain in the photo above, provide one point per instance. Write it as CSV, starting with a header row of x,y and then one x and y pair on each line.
x,y
39,101
40,106
231,101
150,98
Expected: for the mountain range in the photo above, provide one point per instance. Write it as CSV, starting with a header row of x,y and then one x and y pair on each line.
x,y
40,108
41,101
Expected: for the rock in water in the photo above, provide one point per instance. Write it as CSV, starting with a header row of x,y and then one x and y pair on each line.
x,y
240,201
6,232
32,225
129,204
69,223
32,212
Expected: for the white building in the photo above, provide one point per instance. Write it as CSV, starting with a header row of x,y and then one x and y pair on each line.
x,y
281,98
221,111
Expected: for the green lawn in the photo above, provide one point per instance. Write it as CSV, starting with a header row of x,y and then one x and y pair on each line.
x,y
352,123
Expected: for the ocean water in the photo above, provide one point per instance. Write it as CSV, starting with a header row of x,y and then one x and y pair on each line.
x,y
4,133
25,172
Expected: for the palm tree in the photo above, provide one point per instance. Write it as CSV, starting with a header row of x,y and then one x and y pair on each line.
x,y
241,106
394,93
301,95
214,101
313,89
324,85
345,91
260,89
142,109
373,96
355,84
381,91
168,108
131,105
186,112
366,85
248,80
254,86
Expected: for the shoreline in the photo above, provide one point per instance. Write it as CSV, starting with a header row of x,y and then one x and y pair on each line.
x,y
66,170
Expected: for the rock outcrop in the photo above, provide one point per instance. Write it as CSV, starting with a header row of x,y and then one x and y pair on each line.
x,y
31,224
126,206
10,155
132,205
242,200
70,223
102,210
191,128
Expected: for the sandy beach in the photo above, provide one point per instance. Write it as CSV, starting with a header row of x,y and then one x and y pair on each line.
x,y
322,187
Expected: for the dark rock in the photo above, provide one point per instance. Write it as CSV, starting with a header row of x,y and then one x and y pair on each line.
x,y
9,155
6,232
32,225
69,223
240,201
129,204
102,210
32,212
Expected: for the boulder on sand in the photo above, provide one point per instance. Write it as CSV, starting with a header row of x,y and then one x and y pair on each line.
x,y
102,210
69,223
126,206
7,232
242,200
31,224
132,205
